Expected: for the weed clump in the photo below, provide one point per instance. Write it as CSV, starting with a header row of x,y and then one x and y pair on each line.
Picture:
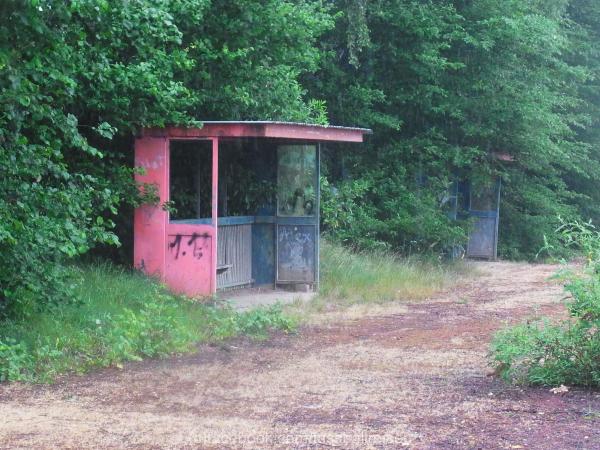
x,y
550,353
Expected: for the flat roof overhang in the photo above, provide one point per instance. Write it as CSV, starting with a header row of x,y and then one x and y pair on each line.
x,y
261,129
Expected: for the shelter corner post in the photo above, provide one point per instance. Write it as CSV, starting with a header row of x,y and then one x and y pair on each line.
x,y
215,211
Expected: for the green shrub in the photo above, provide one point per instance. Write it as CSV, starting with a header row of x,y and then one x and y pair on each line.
x,y
259,322
548,354
385,210
565,352
15,360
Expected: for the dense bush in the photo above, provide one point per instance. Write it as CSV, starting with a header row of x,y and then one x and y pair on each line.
x,y
568,352
73,73
379,212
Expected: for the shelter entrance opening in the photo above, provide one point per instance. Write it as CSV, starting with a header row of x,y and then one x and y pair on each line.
x,y
190,180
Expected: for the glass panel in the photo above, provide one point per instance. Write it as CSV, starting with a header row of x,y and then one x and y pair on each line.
x,y
190,180
296,180
296,253
246,177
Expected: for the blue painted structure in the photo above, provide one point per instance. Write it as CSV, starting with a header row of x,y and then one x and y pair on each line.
x,y
482,204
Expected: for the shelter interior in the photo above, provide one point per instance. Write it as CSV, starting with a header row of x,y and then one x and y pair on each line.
x,y
239,204
267,207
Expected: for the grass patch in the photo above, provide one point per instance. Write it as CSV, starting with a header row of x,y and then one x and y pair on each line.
x,y
123,316
119,316
349,277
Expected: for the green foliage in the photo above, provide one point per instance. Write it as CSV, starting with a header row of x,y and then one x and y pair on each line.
x,y
14,358
73,74
380,211
259,322
250,55
567,352
573,238
449,85
78,78
119,316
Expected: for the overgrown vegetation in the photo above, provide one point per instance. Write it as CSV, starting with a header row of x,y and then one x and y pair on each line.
x,y
377,276
452,89
550,353
78,78
119,316
448,87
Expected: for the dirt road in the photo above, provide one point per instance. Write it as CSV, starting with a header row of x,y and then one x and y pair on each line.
x,y
413,376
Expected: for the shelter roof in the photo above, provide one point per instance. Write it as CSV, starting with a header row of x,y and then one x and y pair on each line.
x,y
261,129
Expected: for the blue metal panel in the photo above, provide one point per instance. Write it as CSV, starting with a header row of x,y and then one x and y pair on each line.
x,y
263,253
484,205
296,255
306,220
264,219
236,220
193,221
233,220
482,240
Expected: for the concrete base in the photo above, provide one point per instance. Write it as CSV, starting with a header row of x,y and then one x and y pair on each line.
x,y
245,299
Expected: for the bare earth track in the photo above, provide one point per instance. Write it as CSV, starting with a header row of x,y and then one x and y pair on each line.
x,y
413,376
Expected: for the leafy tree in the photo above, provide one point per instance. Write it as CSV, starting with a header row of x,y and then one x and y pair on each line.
x,y
448,85
79,78
73,74
249,56
396,84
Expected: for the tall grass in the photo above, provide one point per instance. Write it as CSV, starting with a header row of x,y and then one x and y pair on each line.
x,y
350,277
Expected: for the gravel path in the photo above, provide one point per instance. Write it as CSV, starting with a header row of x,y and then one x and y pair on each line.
x,y
409,376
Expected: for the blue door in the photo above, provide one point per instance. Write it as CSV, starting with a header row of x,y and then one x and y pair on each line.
x,y
484,206
297,221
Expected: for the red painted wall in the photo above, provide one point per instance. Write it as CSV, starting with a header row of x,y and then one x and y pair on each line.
x,y
181,255
150,221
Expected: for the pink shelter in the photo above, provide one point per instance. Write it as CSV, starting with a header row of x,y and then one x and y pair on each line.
x,y
253,221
